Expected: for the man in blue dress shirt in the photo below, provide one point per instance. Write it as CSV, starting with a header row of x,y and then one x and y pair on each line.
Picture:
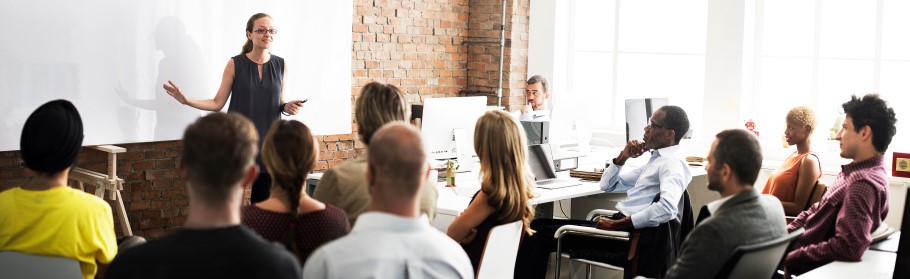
x,y
655,195
665,175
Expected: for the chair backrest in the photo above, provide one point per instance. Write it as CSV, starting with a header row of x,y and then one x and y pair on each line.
x,y
652,251
817,193
758,260
498,260
15,265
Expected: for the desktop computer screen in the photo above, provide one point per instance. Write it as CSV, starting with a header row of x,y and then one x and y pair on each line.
x,y
448,119
638,115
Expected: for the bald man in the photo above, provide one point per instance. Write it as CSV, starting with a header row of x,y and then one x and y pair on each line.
x,y
391,240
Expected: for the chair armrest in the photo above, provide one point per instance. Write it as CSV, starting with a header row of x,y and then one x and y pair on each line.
x,y
606,212
882,232
589,231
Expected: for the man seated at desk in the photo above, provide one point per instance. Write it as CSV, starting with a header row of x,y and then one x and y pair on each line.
x,y
839,227
538,95
654,194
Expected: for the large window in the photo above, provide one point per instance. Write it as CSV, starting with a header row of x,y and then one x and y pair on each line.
x,y
794,52
818,53
621,50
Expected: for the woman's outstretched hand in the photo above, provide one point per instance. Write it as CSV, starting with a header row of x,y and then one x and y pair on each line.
x,y
175,92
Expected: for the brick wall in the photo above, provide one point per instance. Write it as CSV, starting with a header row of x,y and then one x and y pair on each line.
x,y
416,45
153,195
483,50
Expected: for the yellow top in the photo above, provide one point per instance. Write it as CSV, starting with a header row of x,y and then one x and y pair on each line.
x,y
58,222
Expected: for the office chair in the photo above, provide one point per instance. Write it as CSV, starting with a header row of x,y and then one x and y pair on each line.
x,y
818,191
500,252
882,232
675,231
759,260
16,265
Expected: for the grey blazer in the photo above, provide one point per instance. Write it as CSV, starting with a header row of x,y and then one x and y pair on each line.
x,y
746,218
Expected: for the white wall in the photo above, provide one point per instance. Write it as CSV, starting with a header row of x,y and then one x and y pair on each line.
x,y
110,58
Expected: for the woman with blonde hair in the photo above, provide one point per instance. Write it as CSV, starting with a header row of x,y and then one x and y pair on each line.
x,y
792,183
505,187
289,215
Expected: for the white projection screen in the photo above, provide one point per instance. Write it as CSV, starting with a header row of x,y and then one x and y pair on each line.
x,y
110,58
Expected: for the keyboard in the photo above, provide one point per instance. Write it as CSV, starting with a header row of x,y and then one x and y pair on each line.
x,y
556,183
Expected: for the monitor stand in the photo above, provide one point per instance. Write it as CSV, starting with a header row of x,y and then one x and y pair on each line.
x,y
463,152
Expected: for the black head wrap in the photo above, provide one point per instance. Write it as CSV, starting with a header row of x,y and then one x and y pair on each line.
x,y
52,137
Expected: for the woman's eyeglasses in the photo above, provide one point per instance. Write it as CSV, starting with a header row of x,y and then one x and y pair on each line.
x,y
261,31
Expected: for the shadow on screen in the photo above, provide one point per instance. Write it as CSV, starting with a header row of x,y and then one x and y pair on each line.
x,y
182,63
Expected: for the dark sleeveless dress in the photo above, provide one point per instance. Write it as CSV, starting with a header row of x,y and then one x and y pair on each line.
x,y
474,249
259,100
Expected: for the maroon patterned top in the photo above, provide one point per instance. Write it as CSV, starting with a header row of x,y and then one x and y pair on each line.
x,y
313,229
839,227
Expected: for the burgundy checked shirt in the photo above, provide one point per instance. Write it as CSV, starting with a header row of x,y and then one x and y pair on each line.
x,y
839,227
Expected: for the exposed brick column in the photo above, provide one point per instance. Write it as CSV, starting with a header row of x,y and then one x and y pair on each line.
x,y
415,45
483,50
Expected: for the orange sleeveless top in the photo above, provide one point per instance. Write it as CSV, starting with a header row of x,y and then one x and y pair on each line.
x,y
782,182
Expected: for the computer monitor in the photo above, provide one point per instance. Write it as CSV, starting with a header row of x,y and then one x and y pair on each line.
x,y
902,263
638,115
444,119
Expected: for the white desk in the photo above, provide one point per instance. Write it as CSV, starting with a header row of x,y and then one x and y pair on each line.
x,y
450,204
875,264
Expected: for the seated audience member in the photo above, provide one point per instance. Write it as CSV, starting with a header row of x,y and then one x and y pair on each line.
x,y
46,217
792,183
392,239
217,164
655,191
537,94
741,217
501,147
839,227
345,186
289,215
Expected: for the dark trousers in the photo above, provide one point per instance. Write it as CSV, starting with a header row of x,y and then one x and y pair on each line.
x,y
534,254
261,186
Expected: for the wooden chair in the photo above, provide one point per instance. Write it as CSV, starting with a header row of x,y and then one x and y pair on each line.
x,y
818,191
15,265
501,251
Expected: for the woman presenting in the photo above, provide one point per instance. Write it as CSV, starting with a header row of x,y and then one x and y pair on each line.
x,y
256,79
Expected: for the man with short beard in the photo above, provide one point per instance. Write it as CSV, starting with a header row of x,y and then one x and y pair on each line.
x,y
741,216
